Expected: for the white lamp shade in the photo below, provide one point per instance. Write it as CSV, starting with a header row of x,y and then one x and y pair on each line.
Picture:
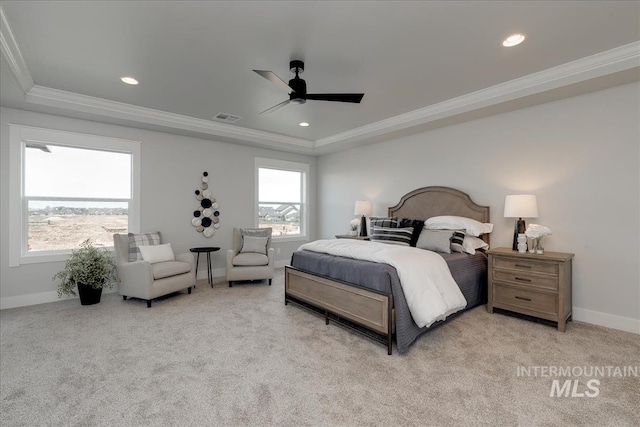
x,y
363,207
521,206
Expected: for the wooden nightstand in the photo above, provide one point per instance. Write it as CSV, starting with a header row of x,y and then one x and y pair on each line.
x,y
531,284
349,236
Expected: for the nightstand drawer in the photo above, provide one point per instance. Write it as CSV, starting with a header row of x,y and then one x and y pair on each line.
x,y
505,295
526,278
526,265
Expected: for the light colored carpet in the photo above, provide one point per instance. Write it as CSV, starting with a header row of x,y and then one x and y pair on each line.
x,y
239,356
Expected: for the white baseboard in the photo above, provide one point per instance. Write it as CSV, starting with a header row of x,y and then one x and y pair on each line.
x,y
39,298
52,296
222,272
607,320
612,321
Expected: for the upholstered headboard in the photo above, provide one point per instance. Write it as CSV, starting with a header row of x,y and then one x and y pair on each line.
x,y
427,202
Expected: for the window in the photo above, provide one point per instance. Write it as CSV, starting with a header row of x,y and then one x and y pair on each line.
x,y
67,188
282,197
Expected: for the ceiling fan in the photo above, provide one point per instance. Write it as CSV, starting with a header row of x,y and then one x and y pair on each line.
x,y
297,89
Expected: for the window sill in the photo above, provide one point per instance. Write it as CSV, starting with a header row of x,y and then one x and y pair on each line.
x,y
58,256
290,238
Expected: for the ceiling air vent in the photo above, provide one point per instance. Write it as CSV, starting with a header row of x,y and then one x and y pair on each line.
x,y
224,117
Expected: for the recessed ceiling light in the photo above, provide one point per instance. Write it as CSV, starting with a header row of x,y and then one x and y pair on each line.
x,y
129,80
303,124
513,40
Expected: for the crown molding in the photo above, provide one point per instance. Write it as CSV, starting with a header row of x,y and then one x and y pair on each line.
x,y
611,61
88,104
12,54
608,62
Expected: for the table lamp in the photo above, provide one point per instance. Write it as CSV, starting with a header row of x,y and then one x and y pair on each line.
x,y
520,206
363,207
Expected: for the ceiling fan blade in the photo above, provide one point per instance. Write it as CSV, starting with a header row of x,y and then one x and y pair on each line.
x,y
339,97
272,77
276,107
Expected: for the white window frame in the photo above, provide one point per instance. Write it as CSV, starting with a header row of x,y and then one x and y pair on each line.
x,y
19,136
303,168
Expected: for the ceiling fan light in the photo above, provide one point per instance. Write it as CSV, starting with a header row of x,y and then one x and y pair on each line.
x,y
513,40
129,80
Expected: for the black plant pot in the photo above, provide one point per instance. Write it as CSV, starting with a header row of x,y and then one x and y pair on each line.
x,y
89,295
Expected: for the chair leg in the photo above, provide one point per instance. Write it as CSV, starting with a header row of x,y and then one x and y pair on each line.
x,y
230,284
148,303
124,297
269,282
189,290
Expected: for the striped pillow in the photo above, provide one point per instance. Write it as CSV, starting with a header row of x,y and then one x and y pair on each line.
x,y
391,222
417,225
393,236
456,241
141,239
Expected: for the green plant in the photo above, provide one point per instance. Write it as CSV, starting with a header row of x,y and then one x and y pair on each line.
x,y
89,266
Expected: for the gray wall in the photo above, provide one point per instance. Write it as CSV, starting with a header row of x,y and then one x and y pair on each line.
x,y
580,156
171,169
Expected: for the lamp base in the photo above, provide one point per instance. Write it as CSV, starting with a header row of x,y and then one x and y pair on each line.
x,y
363,226
519,227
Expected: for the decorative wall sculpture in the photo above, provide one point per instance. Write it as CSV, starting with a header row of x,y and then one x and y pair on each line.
x,y
206,219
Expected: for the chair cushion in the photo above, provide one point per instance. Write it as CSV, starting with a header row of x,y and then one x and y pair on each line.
x,y
141,239
250,259
169,268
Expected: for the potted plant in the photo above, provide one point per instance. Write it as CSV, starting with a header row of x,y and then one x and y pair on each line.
x,y
89,269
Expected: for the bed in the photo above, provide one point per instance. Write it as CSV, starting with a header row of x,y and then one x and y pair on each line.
x,y
367,296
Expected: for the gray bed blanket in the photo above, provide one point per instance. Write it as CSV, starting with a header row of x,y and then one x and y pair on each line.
x,y
468,271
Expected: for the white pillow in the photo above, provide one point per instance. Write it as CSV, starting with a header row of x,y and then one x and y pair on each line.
x,y
470,244
254,245
449,222
435,240
157,253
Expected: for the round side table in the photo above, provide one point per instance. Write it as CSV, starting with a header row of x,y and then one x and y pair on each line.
x,y
207,250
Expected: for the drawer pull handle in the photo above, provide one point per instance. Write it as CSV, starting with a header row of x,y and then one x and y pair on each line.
x,y
523,280
523,298
523,266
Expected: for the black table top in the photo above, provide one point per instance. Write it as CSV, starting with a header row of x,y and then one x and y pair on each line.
x,y
205,249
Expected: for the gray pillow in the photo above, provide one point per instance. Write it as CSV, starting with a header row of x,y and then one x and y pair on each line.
x,y
254,232
435,240
256,245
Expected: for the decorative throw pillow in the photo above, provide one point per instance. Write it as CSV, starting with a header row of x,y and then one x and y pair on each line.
x,y
253,232
141,239
394,236
256,245
417,225
389,222
435,240
457,240
157,253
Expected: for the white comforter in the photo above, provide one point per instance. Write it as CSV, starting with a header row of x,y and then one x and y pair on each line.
x,y
428,286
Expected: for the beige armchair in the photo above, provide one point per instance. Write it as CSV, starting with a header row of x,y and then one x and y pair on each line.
x,y
252,256
145,280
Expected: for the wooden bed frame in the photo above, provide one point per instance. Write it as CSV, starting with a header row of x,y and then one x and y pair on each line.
x,y
367,308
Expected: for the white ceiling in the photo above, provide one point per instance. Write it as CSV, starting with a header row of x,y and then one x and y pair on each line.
x,y
420,64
